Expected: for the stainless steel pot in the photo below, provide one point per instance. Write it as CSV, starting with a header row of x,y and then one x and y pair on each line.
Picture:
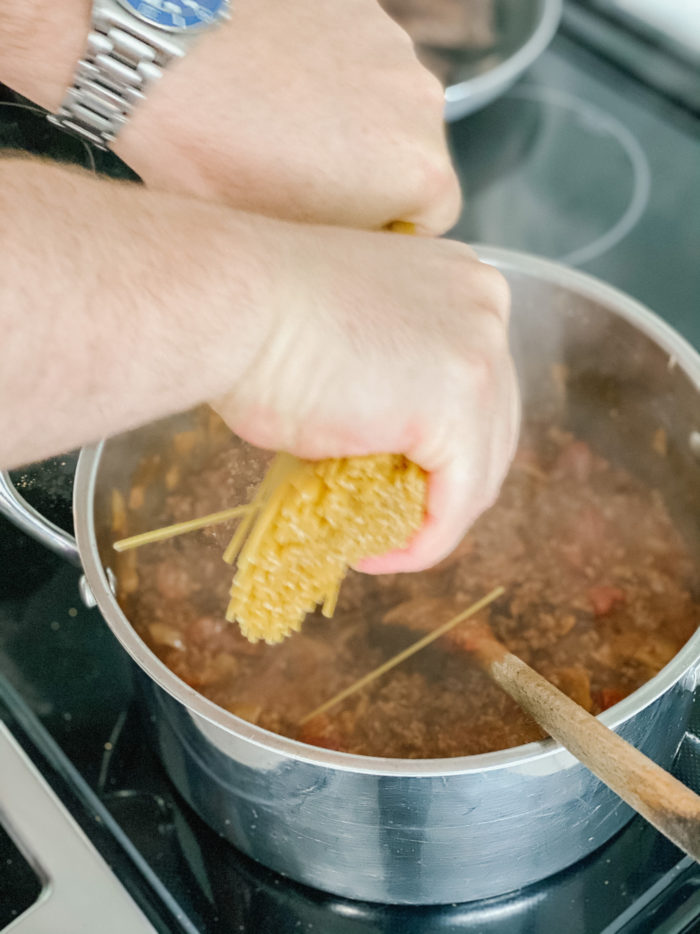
x,y
446,830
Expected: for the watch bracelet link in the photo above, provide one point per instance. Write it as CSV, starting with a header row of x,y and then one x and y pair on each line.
x,y
121,60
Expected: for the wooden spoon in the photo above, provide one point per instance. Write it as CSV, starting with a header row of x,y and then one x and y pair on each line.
x,y
655,794
665,802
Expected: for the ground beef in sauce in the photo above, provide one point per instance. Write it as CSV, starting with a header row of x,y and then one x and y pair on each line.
x,y
599,596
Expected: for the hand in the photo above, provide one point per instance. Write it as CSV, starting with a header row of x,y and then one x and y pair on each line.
x,y
315,111
388,343
321,340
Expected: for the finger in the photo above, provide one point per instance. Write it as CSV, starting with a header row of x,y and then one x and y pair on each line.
x,y
455,500
439,206
506,429
515,413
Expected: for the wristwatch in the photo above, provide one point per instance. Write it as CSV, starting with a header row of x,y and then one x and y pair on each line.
x,y
129,45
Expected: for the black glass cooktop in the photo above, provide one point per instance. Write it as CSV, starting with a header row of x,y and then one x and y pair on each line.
x,y
578,162
68,694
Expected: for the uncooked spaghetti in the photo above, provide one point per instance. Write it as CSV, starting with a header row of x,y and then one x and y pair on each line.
x,y
309,522
406,653
179,528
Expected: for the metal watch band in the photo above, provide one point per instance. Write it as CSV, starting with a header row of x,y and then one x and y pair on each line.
x,y
123,57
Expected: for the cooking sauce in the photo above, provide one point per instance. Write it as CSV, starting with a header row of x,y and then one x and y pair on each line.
x,y
600,595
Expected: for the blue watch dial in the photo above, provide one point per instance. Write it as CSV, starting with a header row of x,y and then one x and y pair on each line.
x,y
176,14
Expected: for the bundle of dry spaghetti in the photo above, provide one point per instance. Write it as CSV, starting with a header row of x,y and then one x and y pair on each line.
x,y
309,521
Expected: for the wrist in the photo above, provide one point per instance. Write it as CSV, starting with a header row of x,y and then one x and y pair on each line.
x,y
240,298
156,140
41,43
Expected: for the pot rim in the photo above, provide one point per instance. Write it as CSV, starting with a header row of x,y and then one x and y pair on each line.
x,y
680,353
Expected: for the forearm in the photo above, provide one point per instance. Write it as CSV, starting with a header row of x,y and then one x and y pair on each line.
x,y
117,305
41,42
315,111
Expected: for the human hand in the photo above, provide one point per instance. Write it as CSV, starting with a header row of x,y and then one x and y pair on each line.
x,y
322,341
315,111
382,343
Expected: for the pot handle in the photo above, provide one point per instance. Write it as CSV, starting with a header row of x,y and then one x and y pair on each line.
x,y
15,508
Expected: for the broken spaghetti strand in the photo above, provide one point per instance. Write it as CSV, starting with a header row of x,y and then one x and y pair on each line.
x,y
406,653
180,528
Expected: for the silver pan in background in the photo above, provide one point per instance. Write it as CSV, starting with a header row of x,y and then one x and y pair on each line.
x,y
524,29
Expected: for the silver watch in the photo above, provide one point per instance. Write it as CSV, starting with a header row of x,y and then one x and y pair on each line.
x,y
129,45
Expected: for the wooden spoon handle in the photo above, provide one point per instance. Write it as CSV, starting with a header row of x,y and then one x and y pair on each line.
x,y
659,797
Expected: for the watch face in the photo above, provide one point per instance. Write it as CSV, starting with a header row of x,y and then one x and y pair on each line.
x,y
176,14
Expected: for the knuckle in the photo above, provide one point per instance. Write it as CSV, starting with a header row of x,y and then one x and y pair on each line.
x,y
433,171
493,491
480,372
451,204
483,371
434,92
495,291
462,254
437,187
494,330
480,286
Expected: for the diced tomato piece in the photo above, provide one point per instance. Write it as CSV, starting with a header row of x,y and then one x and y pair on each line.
x,y
604,598
321,731
575,682
608,697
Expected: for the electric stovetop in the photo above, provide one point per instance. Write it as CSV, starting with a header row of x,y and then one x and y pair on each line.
x,y
580,162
